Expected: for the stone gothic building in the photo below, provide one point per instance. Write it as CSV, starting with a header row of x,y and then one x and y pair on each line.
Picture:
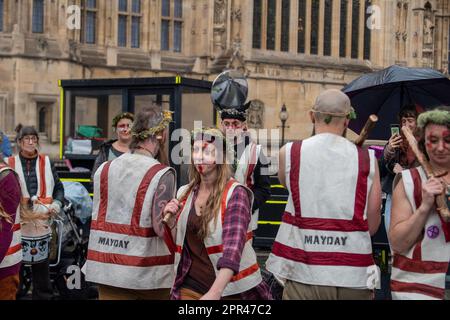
x,y
290,50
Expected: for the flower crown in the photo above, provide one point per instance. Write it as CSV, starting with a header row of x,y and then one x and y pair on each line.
x,y
440,117
125,115
164,123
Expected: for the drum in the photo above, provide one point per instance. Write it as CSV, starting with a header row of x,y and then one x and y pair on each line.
x,y
36,249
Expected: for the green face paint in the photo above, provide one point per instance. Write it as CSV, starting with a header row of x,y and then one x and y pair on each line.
x,y
352,115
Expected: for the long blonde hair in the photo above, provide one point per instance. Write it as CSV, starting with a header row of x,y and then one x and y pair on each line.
x,y
4,215
213,204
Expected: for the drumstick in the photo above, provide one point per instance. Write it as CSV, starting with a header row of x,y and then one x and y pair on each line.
x,y
370,123
441,202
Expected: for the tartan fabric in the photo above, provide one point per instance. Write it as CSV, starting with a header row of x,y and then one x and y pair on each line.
x,y
235,226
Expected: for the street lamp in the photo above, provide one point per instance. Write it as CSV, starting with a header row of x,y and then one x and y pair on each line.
x,y
284,115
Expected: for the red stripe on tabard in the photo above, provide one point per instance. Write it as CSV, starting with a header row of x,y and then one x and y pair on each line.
x,y
179,249
43,194
16,227
134,229
398,286
224,198
126,260
103,195
251,166
294,175
141,192
417,266
123,229
168,239
417,182
361,184
245,273
417,252
322,258
325,224
12,162
14,249
417,193
219,248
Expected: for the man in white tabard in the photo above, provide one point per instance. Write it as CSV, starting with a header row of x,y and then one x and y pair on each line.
x,y
128,255
323,247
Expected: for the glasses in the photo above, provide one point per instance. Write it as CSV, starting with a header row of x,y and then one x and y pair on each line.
x,y
30,139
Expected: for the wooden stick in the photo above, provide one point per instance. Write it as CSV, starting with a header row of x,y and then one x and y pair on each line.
x,y
370,123
441,201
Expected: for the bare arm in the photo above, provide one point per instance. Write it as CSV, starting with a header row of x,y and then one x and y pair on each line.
x,y
163,194
374,203
407,226
282,166
222,279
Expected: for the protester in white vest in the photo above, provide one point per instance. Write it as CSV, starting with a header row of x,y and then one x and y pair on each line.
x,y
214,258
127,255
250,166
419,237
323,247
43,195
10,236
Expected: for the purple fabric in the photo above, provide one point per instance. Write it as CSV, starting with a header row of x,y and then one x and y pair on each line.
x,y
10,200
378,150
235,226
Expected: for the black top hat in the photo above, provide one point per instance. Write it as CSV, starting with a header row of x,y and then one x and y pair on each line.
x,y
228,95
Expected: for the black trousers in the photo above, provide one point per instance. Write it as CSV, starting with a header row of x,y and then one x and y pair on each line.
x,y
42,288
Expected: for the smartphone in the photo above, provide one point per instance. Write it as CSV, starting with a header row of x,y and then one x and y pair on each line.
x,y
395,129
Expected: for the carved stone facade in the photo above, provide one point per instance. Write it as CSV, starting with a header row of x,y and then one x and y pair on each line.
x,y
215,35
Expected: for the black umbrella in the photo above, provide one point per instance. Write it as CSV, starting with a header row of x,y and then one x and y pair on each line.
x,y
384,93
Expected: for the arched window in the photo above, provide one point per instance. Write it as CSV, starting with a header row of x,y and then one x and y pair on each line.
x,y
1,15
129,23
343,29
355,29
301,26
327,27
257,23
271,24
171,25
285,13
88,21
315,6
37,20
367,32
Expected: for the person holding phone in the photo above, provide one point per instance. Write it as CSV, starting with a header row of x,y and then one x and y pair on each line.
x,y
397,156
